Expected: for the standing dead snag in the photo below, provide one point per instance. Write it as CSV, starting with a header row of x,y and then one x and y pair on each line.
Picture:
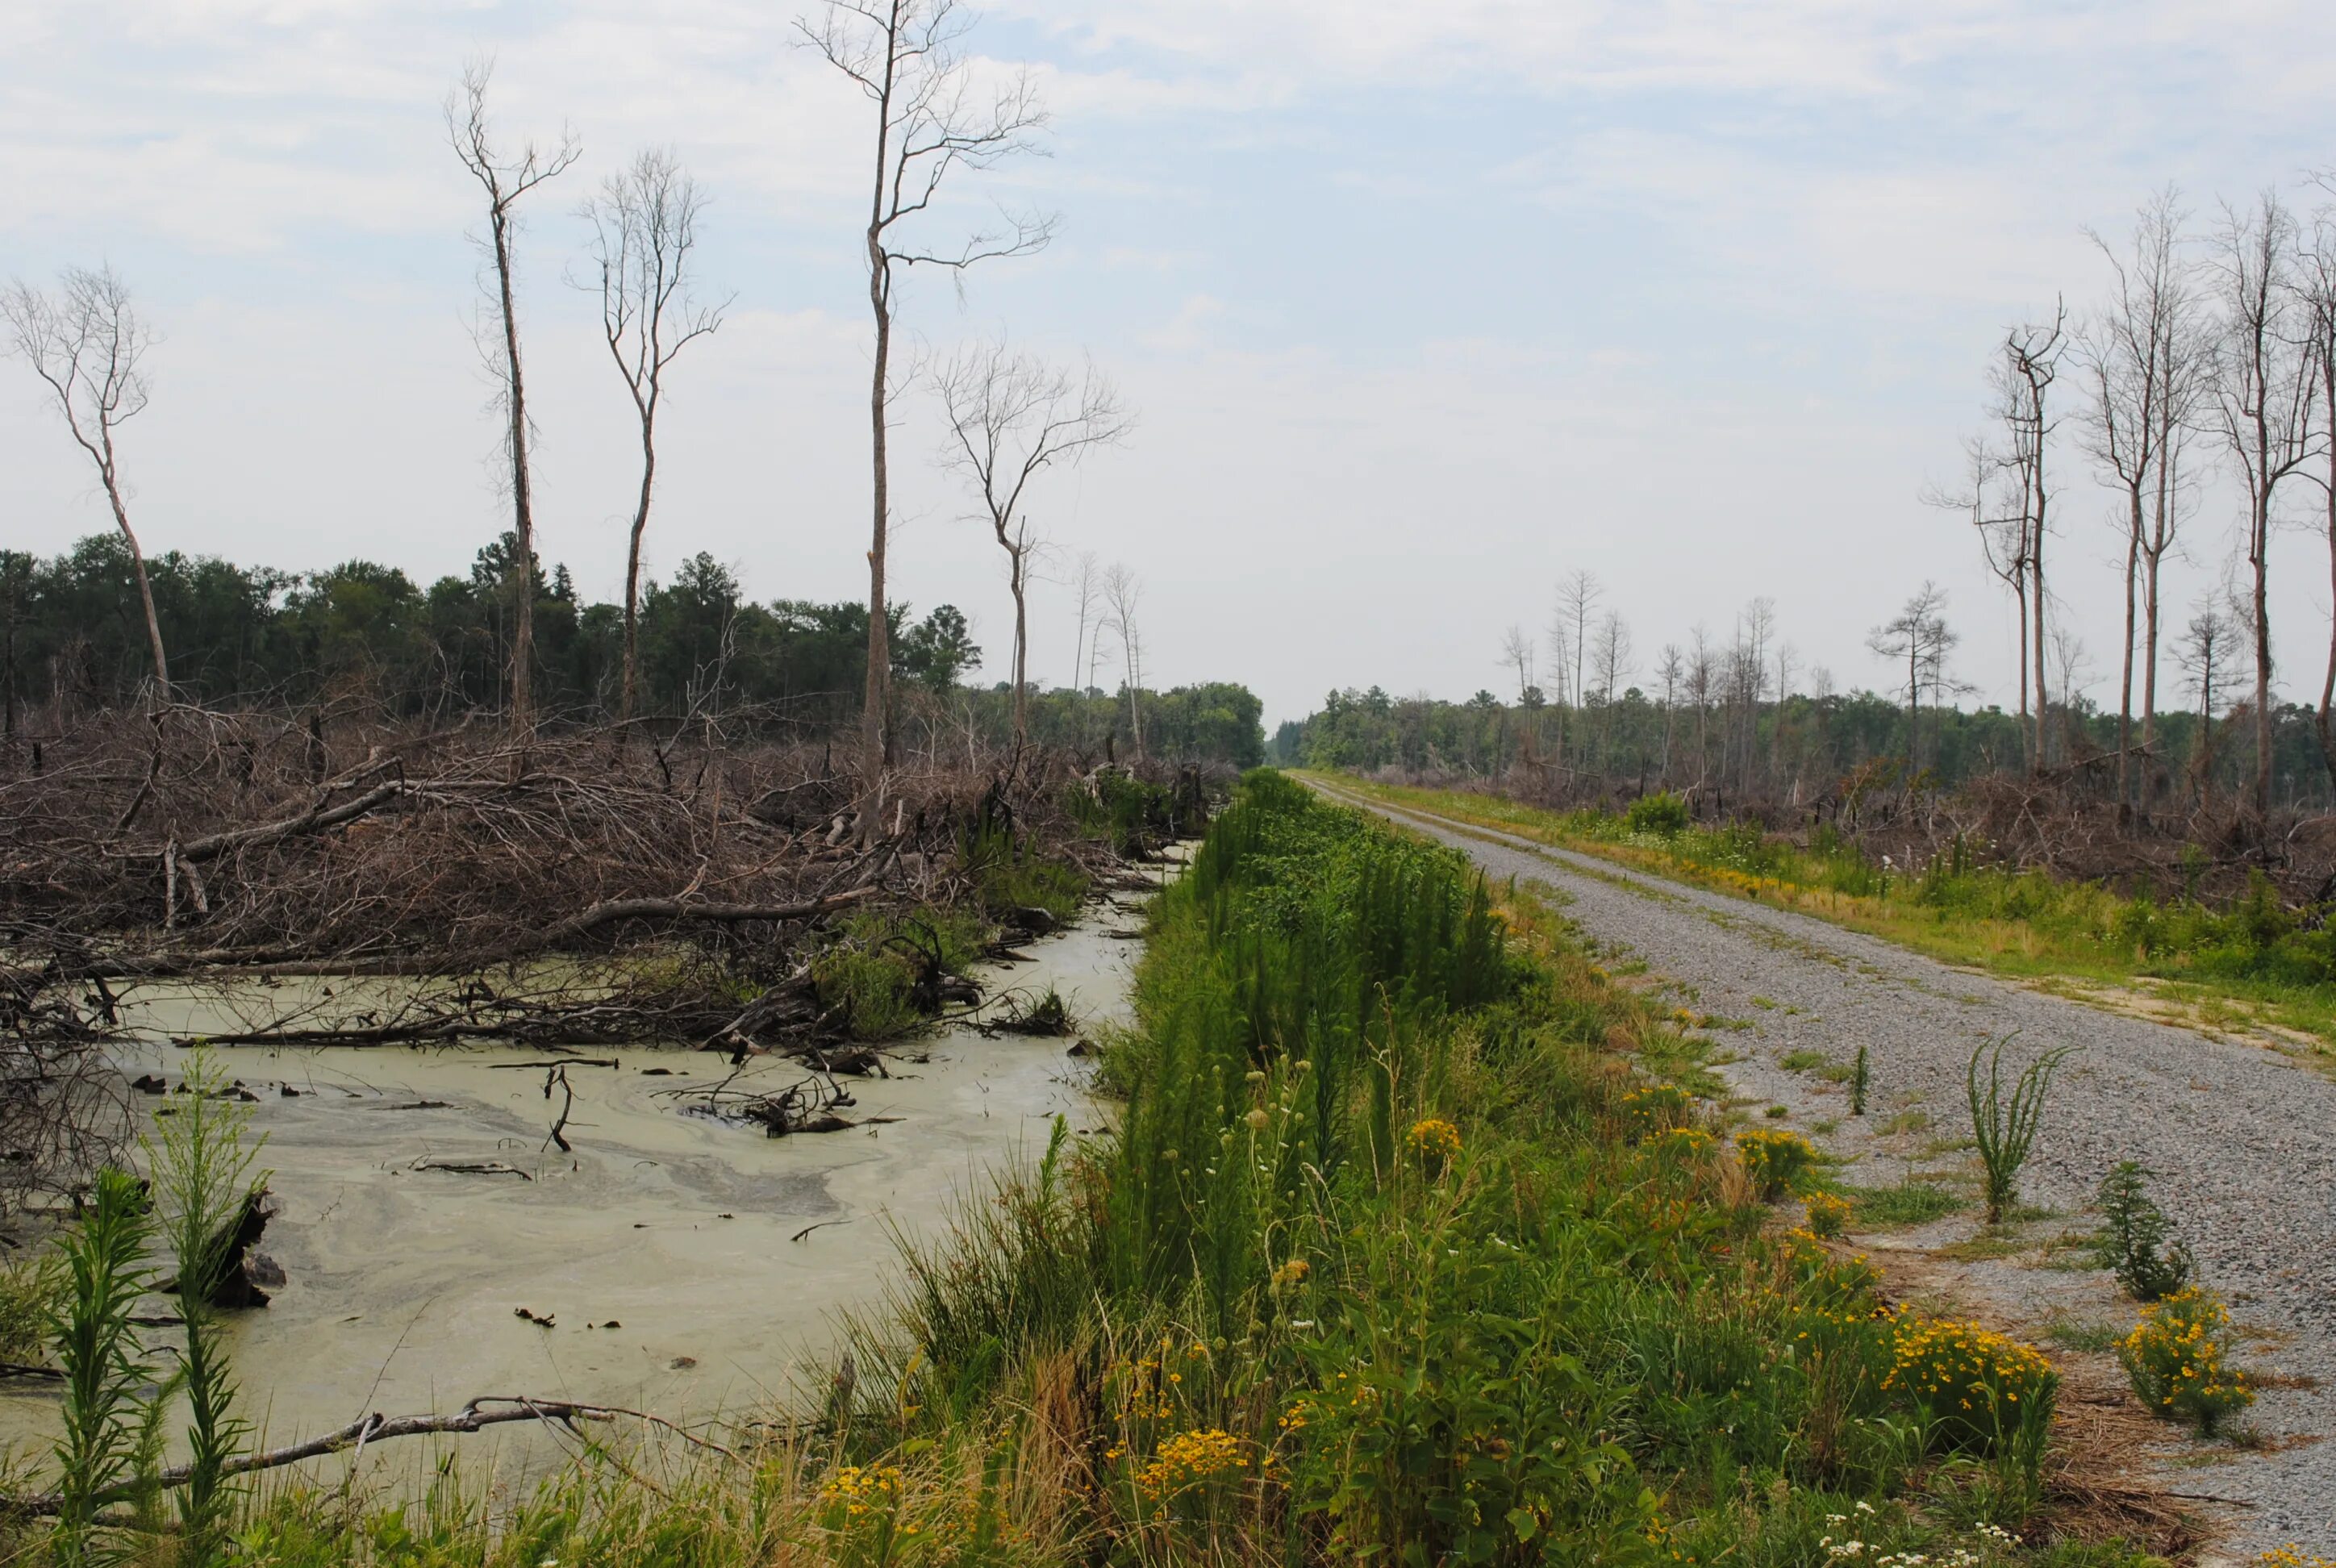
x,y
2024,377
1011,417
1921,636
87,344
504,183
2319,284
903,54
644,236
2144,366
1122,591
2263,401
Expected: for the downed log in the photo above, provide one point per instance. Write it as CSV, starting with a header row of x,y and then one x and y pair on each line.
x,y
315,817
486,1410
610,909
469,1167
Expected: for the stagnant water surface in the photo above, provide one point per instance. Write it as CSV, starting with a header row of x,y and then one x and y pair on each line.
x,y
687,1265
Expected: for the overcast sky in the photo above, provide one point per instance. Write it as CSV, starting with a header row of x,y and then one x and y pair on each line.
x,y
1421,305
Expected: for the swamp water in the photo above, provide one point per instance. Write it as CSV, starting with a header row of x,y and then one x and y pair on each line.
x,y
672,1262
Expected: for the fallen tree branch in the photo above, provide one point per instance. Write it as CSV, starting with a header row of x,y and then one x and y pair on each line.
x,y
601,914
487,1410
317,816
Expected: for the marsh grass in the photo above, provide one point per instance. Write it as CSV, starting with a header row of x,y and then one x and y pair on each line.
x,y
1904,1205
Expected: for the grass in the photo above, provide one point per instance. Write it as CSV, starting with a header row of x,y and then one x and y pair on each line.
x,y
2093,1339
1904,1205
880,973
2248,966
1375,1266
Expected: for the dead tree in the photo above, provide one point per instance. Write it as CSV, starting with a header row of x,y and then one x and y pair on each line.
x,y
1087,586
1701,676
1988,499
1123,591
88,345
2027,366
903,56
505,183
644,243
2141,360
1671,670
1577,593
1918,637
2263,398
1613,656
1011,417
2318,269
1517,653
2204,655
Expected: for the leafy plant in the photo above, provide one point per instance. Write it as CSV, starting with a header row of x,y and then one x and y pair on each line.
x,y
2004,1126
32,1290
1978,1388
2135,1236
1661,814
105,1366
1860,1079
1774,1159
1654,1108
204,1182
2179,1358
1828,1214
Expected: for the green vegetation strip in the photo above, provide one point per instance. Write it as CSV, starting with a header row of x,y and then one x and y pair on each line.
x,y
2253,963
1398,1256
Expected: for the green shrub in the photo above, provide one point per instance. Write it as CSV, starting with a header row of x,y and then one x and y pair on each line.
x,y
2135,1237
1660,815
1009,879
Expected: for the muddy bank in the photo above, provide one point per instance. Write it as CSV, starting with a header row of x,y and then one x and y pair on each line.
x,y
669,1261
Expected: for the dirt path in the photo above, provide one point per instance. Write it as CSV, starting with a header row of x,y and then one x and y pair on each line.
x,y
2244,1143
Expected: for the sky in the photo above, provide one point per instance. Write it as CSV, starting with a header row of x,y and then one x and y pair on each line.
x,y
1420,306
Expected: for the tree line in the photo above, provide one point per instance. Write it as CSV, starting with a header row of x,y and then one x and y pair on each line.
x,y
1741,718
935,116
364,637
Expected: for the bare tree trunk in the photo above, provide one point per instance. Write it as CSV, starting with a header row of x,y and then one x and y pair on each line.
x,y
2035,609
145,589
2149,682
523,671
504,182
2259,550
2328,684
2125,684
1016,579
875,733
631,698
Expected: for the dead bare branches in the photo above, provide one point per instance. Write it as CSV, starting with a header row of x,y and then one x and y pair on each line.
x,y
88,345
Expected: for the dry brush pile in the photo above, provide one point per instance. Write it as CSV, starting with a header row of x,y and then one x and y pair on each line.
x,y
575,887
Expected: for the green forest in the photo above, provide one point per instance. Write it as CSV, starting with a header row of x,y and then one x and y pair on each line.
x,y
365,637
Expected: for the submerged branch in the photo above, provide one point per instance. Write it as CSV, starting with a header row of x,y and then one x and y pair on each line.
x,y
486,1410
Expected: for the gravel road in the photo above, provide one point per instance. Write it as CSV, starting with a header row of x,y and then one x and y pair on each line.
x,y
2242,1140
